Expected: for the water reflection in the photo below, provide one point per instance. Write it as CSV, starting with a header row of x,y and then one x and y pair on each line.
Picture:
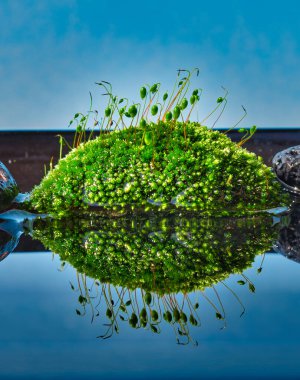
x,y
288,242
141,271
142,309
161,255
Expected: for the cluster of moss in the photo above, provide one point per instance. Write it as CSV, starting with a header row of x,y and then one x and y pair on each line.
x,y
167,165
164,256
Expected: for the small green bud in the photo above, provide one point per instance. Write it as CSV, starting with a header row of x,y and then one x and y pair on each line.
x,y
148,138
165,97
148,298
154,88
143,92
167,316
154,109
176,315
184,103
183,317
108,313
193,320
143,123
220,99
169,116
154,315
107,111
143,313
133,320
132,110
176,112
192,99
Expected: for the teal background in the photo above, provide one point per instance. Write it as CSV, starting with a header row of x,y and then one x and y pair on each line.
x,y
52,52
42,337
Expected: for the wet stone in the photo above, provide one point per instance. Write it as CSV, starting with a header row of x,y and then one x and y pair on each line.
x,y
8,187
288,243
286,165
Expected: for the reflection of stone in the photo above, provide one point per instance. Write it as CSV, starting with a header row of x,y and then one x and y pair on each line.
x,y
288,242
13,224
10,232
8,186
286,165
5,239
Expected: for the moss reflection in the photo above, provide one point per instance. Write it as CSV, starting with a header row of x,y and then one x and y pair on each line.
x,y
141,271
161,255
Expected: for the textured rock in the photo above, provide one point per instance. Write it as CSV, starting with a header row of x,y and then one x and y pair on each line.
x,y
8,186
288,243
286,165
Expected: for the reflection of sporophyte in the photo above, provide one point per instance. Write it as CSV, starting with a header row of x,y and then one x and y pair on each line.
x,y
141,270
169,255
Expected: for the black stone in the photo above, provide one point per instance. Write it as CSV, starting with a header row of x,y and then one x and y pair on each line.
x,y
286,165
288,243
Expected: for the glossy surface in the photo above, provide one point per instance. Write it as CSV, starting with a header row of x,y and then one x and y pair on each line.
x,y
42,335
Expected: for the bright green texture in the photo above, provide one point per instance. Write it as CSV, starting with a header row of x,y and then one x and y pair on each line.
x,y
167,255
163,166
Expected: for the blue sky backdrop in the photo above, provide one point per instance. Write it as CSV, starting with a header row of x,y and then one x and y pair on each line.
x,y
53,51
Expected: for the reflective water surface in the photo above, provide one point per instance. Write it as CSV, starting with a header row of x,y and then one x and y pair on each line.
x,y
149,297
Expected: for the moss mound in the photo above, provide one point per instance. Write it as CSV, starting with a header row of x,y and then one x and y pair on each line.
x,y
160,255
169,165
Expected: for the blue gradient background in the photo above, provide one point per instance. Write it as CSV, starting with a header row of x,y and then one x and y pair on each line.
x,y
53,51
42,337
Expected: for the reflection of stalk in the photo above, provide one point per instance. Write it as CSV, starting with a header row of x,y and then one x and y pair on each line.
x,y
250,283
148,309
87,296
235,296
193,311
220,316
261,264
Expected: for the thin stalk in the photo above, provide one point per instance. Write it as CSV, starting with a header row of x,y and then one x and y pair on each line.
x,y
225,104
181,88
216,108
236,297
236,124
221,304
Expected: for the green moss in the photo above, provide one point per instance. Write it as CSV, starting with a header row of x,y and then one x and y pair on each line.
x,y
163,166
160,255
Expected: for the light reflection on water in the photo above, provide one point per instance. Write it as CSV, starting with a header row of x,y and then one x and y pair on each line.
x,y
42,334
